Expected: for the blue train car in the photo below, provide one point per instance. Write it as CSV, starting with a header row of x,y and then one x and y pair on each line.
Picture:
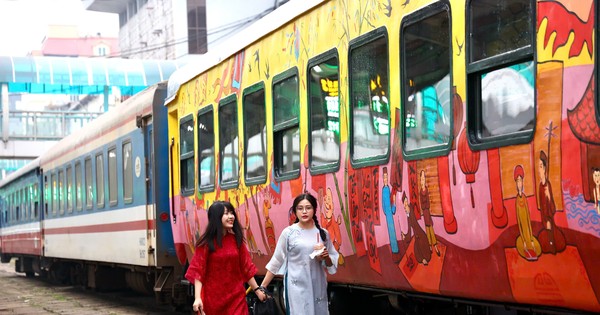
x,y
20,217
105,221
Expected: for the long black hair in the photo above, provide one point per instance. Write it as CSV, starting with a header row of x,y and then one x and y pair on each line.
x,y
214,230
313,201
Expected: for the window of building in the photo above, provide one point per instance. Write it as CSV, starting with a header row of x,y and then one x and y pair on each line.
x,y
122,18
132,8
426,79
197,35
255,134
500,72
89,188
324,112
228,142
101,50
206,149
186,158
369,98
127,173
113,185
100,180
286,124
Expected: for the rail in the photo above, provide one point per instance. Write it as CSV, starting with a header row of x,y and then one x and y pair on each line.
x,y
44,125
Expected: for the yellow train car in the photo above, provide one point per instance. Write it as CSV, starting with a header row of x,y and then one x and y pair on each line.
x,y
454,147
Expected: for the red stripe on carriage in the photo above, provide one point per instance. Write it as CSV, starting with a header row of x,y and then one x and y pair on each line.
x,y
103,228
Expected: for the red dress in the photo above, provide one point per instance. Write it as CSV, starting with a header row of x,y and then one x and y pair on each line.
x,y
223,274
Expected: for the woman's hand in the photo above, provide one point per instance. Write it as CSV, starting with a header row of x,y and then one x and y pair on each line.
x,y
197,306
325,256
262,295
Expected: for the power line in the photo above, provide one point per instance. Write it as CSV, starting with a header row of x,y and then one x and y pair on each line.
x,y
231,28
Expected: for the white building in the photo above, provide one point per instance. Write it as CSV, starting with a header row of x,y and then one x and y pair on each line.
x,y
179,29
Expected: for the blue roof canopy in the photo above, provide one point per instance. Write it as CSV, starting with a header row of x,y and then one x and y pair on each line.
x,y
67,75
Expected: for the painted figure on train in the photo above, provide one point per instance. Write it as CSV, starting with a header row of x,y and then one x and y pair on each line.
x,y
527,244
551,237
389,209
269,226
421,246
332,225
596,190
426,212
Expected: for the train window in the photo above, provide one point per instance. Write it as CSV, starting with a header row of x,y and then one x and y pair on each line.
x,y
127,173
89,188
54,197
78,190
426,50
186,158
100,180
24,204
206,149
500,72
286,125
369,98
113,187
61,192
324,112
47,196
228,142
69,189
36,201
18,204
255,134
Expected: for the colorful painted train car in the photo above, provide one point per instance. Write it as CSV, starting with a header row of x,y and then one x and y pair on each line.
x,y
93,210
454,146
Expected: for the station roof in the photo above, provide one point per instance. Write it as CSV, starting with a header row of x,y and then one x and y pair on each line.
x,y
67,75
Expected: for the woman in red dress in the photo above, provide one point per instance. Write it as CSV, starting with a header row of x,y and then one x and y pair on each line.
x,y
221,265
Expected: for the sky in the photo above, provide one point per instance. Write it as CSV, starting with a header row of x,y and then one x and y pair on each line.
x,y
24,23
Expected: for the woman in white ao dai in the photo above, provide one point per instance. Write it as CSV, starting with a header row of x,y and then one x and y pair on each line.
x,y
304,251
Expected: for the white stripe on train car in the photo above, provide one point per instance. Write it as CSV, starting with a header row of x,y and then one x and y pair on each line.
x,y
119,236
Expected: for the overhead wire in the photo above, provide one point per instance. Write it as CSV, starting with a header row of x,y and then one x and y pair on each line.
x,y
230,27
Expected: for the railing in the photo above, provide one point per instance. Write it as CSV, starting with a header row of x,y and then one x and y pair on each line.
x,y
45,125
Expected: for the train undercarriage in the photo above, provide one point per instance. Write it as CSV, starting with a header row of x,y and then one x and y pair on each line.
x,y
160,282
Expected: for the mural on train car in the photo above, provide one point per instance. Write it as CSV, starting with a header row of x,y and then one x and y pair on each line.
x,y
507,218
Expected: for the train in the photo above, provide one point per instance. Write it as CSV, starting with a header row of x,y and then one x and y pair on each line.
x,y
90,212
454,148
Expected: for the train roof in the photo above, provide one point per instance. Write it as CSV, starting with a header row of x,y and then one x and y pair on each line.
x,y
20,172
238,42
139,104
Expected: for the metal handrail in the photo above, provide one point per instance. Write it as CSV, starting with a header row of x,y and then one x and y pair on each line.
x,y
45,125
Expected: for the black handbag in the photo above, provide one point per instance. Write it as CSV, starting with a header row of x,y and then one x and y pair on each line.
x,y
268,307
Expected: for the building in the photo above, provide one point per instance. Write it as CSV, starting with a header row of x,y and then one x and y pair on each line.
x,y
66,41
161,29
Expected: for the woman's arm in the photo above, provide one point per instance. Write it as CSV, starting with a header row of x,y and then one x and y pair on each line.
x,y
259,290
267,279
197,306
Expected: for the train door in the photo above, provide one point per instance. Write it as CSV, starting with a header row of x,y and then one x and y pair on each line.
x,y
149,173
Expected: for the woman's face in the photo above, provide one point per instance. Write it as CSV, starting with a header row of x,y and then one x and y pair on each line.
x,y
305,211
227,219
